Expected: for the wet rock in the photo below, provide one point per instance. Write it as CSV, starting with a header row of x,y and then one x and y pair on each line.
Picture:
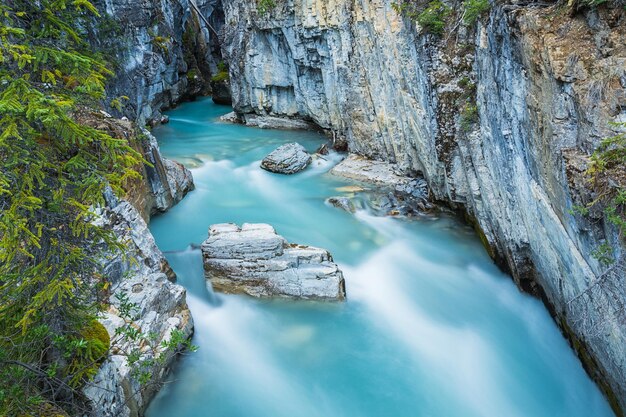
x,y
231,117
179,179
271,122
221,93
254,260
157,72
362,169
322,150
343,203
395,194
287,159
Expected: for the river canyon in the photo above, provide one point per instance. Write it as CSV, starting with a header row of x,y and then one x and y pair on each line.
x,y
450,239
430,327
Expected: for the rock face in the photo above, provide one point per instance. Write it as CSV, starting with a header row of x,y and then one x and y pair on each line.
x,y
287,159
167,181
163,182
145,276
254,260
492,121
141,271
164,49
221,93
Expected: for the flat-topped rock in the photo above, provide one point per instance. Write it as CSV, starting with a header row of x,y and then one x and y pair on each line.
x,y
271,122
287,159
253,259
358,168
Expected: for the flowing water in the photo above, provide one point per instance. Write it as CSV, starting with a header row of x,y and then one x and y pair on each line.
x,y
431,327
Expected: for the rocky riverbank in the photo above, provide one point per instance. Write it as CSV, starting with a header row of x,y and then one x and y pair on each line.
x,y
141,273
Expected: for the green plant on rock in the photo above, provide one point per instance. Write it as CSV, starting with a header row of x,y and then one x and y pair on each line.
x,y
118,102
91,349
222,73
54,170
265,6
469,117
607,174
432,19
473,9
161,42
143,351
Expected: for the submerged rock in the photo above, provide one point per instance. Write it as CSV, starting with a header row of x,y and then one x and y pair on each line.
x,y
287,159
344,203
254,260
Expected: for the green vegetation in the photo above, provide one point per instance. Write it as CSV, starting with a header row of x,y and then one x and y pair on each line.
x,y
432,19
265,6
161,42
55,168
608,174
469,117
222,73
145,352
430,15
473,9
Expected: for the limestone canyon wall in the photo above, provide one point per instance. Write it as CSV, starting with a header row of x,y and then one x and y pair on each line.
x,y
498,117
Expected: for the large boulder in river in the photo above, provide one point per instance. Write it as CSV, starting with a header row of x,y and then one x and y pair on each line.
x,y
287,159
254,260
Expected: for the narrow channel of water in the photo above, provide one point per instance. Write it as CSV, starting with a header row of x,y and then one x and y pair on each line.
x,y
431,328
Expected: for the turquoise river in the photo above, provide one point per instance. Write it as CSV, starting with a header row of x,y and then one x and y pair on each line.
x,y
431,328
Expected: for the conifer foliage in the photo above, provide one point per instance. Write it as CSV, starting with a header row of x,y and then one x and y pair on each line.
x,y
53,171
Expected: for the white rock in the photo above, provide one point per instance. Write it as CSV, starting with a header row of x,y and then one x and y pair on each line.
x,y
271,122
287,159
362,169
142,273
254,260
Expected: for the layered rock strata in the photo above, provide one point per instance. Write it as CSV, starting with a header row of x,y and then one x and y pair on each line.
x,y
143,274
491,115
254,260
162,52
392,193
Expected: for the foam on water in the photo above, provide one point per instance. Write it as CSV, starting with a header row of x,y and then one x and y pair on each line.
x,y
431,327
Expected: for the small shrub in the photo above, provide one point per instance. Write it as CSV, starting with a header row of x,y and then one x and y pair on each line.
x,y
162,43
604,254
469,117
91,349
222,73
192,74
473,9
432,19
608,173
265,6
